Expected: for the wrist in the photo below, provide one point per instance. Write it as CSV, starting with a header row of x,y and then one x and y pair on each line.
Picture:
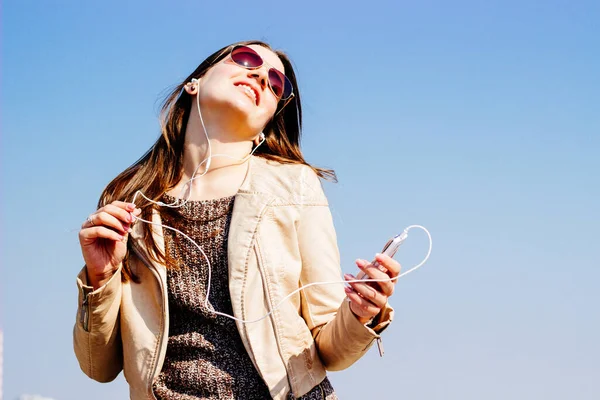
x,y
98,280
362,320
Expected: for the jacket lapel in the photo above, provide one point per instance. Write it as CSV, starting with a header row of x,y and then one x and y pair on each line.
x,y
137,236
249,207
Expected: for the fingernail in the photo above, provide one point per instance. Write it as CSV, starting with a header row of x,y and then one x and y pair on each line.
x,y
348,276
130,206
348,289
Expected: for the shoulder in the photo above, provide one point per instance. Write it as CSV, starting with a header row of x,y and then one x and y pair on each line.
x,y
297,183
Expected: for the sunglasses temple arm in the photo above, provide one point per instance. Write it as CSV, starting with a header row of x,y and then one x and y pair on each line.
x,y
285,104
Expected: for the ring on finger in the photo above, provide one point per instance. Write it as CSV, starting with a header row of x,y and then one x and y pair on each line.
x,y
91,220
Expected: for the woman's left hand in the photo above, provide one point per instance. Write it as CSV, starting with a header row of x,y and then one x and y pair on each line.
x,y
367,299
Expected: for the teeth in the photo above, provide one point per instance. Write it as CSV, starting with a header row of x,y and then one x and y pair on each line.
x,y
249,91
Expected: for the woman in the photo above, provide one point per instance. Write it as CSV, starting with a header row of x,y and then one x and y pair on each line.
x,y
151,302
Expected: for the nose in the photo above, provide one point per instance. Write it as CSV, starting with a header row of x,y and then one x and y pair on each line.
x,y
260,75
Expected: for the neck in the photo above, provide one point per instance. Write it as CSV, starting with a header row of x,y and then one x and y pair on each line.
x,y
225,174
224,139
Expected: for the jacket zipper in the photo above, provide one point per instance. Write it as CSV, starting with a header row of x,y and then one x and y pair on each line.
x,y
85,311
379,342
380,346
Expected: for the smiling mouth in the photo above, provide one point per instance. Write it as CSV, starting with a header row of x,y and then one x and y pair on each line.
x,y
250,92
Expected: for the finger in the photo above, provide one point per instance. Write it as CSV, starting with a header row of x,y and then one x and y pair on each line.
x,y
367,292
124,205
374,264
363,264
360,263
390,264
99,232
136,214
89,222
362,306
105,219
385,284
118,212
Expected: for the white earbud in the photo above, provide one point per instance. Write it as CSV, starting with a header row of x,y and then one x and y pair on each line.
x,y
193,84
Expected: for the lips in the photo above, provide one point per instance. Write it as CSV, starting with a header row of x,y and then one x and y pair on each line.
x,y
250,90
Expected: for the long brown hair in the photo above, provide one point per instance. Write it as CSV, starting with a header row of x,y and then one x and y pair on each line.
x,y
161,168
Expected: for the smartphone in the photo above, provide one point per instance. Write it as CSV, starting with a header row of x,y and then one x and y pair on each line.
x,y
390,249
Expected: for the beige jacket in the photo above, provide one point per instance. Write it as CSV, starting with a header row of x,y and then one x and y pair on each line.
x,y
281,236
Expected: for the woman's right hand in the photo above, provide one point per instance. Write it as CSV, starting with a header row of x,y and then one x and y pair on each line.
x,y
103,239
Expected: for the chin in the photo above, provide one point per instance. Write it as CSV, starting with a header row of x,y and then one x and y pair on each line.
x,y
247,108
247,114
236,108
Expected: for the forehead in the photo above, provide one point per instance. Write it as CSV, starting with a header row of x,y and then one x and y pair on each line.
x,y
268,56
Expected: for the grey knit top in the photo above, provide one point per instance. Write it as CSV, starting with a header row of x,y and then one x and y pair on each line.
x,y
205,357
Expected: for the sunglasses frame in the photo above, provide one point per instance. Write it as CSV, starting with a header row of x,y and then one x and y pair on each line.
x,y
264,63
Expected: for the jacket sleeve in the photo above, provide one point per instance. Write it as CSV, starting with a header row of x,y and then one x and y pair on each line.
x,y
340,337
96,337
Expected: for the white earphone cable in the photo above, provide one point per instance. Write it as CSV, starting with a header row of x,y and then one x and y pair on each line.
x,y
188,186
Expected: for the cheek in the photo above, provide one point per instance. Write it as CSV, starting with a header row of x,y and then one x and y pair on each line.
x,y
268,112
215,79
270,104
259,119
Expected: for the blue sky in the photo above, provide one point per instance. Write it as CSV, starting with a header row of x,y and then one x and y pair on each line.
x,y
478,120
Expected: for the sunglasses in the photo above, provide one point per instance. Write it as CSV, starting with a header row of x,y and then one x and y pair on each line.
x,y
246,57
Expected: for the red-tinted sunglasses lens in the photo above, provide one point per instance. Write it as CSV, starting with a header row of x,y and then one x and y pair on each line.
x,y
246,57
280,84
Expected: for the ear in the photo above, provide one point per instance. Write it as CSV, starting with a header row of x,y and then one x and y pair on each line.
x,y
259,139
191,88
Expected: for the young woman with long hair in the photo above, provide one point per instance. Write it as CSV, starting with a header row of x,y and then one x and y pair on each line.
x,y
224,217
